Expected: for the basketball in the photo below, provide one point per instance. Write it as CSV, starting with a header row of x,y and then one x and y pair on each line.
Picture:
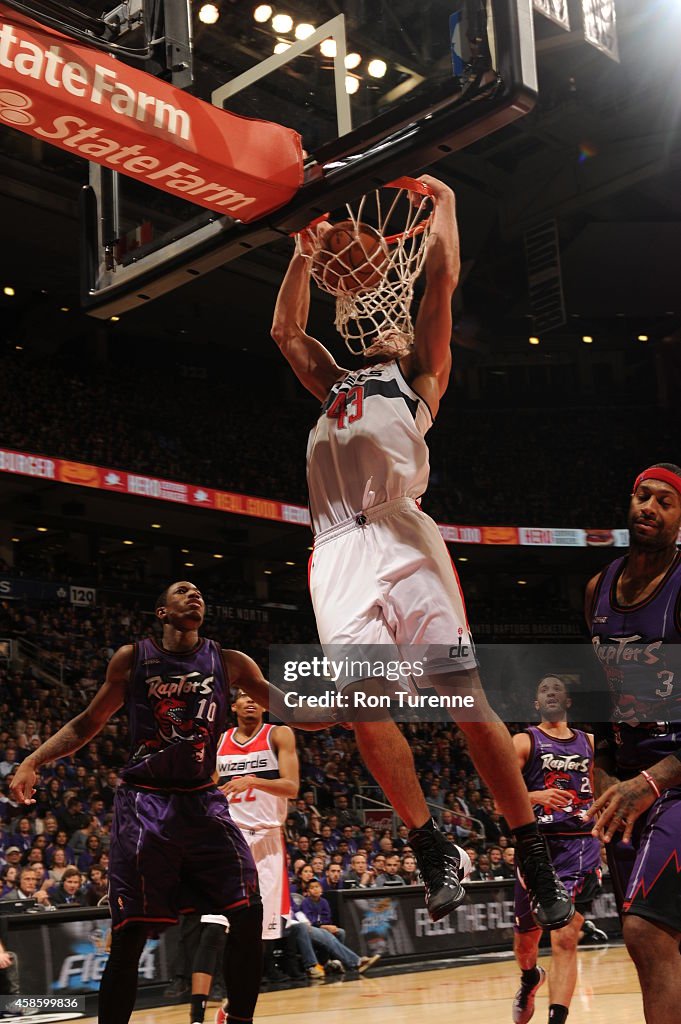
x,y
352,258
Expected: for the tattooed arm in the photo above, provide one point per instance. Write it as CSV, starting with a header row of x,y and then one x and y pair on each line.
x,y
76,733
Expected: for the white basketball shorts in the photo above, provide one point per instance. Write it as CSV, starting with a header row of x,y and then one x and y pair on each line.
x,y
386,578
269,854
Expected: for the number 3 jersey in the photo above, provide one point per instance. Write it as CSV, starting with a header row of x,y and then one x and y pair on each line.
x,y
368,446
566,764
177,707
252,809
639,648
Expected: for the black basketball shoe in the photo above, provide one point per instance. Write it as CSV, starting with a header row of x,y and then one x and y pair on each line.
x,y
523,1004
550,901
442,865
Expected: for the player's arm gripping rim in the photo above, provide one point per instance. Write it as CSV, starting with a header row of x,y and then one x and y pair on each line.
x,y
428,366
81,729
313,365
288,782
620,804
244,673
555,799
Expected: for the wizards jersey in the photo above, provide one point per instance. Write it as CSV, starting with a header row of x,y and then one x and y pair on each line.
x,y
177,706
368,445
638,647
252,809
561,764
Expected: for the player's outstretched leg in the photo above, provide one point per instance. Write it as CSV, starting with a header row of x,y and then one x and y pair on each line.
x,y
388,757
493,754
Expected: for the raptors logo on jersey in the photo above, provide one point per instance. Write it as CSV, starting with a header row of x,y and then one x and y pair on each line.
x,y
639,647
175,715
252,809
368,445
561,764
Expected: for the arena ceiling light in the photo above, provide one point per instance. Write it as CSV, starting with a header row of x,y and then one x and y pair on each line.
x,y
155,526
521,583
8,290
64,309
19,348
290,563
533,340
41,529
353,60
218,556
282,22
377,68
190,565
328,48
268,572
643,337
281,47
15,540
462,558
351,85
262,13
114,319
208,14
304,30
128,543
184,551
587,339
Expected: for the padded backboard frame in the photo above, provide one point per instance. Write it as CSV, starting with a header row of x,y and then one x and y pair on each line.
x,y
401,141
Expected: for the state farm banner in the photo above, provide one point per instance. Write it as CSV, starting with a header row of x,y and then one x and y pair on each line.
x,y
138,485
91,105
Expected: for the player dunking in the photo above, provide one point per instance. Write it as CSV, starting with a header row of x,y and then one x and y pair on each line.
x,y
174,845
257,769
557,765
380,571
633,610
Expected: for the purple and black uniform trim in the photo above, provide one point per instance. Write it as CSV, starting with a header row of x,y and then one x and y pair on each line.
x,y
565,764
174,847
639,647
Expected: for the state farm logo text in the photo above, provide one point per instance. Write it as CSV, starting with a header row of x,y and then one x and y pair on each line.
x,y
100,85
14,108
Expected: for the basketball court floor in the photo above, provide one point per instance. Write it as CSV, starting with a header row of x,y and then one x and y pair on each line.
x,y
607,990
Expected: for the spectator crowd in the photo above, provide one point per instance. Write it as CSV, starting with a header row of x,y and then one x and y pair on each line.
x,y
489,466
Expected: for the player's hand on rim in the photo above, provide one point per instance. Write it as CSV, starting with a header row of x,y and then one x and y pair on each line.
x,y
437,187
619,807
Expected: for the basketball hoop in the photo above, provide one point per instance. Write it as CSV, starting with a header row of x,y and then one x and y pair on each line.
x,y
370,262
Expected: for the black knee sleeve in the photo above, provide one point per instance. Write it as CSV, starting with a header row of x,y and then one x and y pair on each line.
x,y
210,947
243,961
118,987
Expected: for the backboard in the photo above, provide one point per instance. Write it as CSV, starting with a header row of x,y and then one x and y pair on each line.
x,y
376,89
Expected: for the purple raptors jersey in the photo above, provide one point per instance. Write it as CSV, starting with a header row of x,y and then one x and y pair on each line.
x,y
177,706
561,764
638,647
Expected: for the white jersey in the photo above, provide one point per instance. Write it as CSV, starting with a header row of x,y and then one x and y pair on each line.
x,y
368,446
252,809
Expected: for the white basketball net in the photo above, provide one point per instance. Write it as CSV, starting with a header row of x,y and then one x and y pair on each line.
x,y
377,319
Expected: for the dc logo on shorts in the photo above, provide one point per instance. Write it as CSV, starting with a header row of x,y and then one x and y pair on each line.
x,y
14,108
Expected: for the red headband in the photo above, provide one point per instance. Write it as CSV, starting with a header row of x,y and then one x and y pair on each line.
x,y
656,473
